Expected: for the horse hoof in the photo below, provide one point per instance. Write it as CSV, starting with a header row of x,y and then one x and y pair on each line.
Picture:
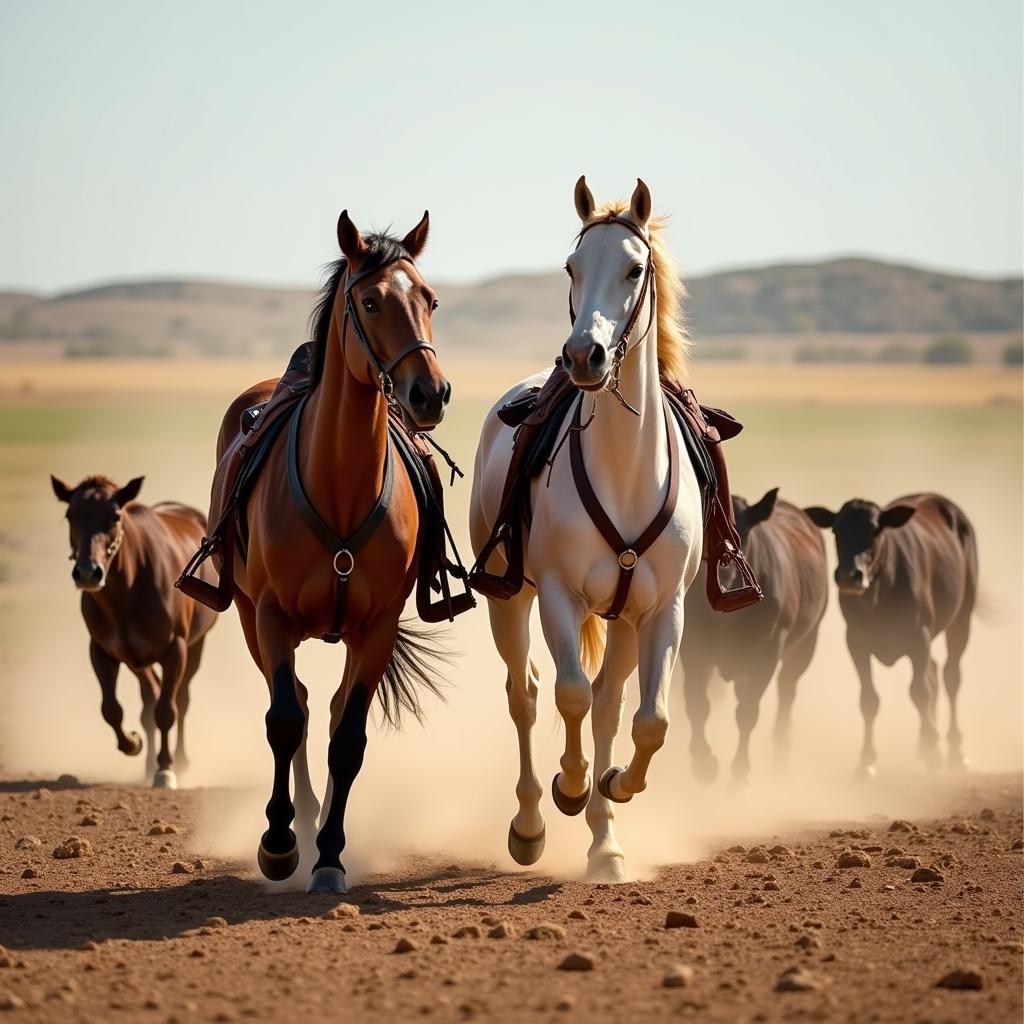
x,y
606,867
525,851
328,880
604,786
571,805
134,747
865,773
705,769
165,779
958,763
278,866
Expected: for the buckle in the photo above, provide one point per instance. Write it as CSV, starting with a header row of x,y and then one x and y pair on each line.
x,y
628,559
345,572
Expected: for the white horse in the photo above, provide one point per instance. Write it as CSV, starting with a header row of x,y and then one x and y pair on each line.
x,y
613,273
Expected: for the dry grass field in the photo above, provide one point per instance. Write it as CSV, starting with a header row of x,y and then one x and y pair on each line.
x,y
821,433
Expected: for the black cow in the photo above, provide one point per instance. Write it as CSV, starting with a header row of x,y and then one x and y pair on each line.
x,y
906,573
746,646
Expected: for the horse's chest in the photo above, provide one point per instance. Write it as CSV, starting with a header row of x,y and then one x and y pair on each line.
x,y
138,638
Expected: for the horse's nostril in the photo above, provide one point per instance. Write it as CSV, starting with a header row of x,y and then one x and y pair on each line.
x,y
566,358
596,358
447,396
76,575
417,399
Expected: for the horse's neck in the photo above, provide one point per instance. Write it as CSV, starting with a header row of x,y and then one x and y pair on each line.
x,y
620,447
343,441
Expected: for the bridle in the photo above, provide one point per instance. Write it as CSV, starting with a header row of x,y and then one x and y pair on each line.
x,y
622,346
112,548
384,370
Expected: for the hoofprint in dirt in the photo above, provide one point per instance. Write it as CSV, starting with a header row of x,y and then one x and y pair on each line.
x,y
880,920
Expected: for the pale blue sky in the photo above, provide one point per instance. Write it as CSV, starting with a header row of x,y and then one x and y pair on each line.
x,y
222,139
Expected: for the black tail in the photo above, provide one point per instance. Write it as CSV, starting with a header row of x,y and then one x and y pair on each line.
x,y
416,664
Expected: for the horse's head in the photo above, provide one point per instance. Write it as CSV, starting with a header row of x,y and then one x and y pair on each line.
x,y
390,305
609,275
94,515
858,528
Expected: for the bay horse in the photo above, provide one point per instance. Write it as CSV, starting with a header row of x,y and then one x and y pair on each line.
x,y
372,346
906,573
627,446
127,556
787,554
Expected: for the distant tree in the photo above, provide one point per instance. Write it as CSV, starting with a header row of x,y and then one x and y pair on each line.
x,y
896,352
949,350
829,354
713,351
1013,354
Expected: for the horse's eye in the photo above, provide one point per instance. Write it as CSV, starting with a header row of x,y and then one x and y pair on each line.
x,y
635,273
434,305
369,305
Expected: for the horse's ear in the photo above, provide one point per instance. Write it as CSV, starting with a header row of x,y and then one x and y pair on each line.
x,y
416,240
129,492
821,517
895,516
351,242
762,510
584,200
61,489
640,204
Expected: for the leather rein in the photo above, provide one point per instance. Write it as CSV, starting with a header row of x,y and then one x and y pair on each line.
x,y
343,550
628,554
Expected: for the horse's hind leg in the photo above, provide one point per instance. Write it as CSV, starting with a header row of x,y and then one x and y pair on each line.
x,y
696,677
172,671
149,689
795,663
510,627
604,858
278,853
658,647
183,700
106,668
561,617
956,643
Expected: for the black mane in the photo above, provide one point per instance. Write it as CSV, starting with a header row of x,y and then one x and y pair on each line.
x,y
381,250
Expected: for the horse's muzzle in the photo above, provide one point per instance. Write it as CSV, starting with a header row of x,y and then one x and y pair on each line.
x,y
88,576
586,362
427,401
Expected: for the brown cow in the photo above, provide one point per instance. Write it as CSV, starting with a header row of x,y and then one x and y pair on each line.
x,y
906,573
788,557
127,557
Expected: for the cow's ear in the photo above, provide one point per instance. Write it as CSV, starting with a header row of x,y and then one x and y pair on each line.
x,y
129,492
761,510
821,517
61,489
895,516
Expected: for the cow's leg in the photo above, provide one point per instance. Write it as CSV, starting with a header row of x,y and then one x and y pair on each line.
x,y
604,858
172,671
924,689
696,678
510,627
750,689
105,666
956,642
658,646
795,663
561,618
149,690
868,705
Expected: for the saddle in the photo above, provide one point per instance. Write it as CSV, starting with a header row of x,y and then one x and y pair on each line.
x,y
241,464
538,416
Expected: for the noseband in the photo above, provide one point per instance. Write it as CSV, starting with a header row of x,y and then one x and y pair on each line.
x,y
619,352
384,370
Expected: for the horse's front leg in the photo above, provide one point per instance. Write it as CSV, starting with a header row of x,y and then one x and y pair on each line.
x,y
604,858
658,647
278,853
368,659
561,616
172,671
106,668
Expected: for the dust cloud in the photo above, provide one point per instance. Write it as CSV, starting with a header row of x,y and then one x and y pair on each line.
x,y
448,787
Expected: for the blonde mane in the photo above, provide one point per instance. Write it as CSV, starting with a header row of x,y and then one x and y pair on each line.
x,y
673,341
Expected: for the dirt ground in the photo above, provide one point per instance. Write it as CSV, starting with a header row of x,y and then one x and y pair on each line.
x,y
147,927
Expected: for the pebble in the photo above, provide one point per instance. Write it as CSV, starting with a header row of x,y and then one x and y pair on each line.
x,y
926,875
853,859
758,855
962,978
680,919
89,820
162,828
72,847
66,781
987,814
797,979
908,863
902,826
404,945
502,930
577,962
9,1001
856,884
678,976
30,873
179,867
545,930
342,910
467,931
28,843
89,946
578,915
216,922
438,940
809,942
565,1003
